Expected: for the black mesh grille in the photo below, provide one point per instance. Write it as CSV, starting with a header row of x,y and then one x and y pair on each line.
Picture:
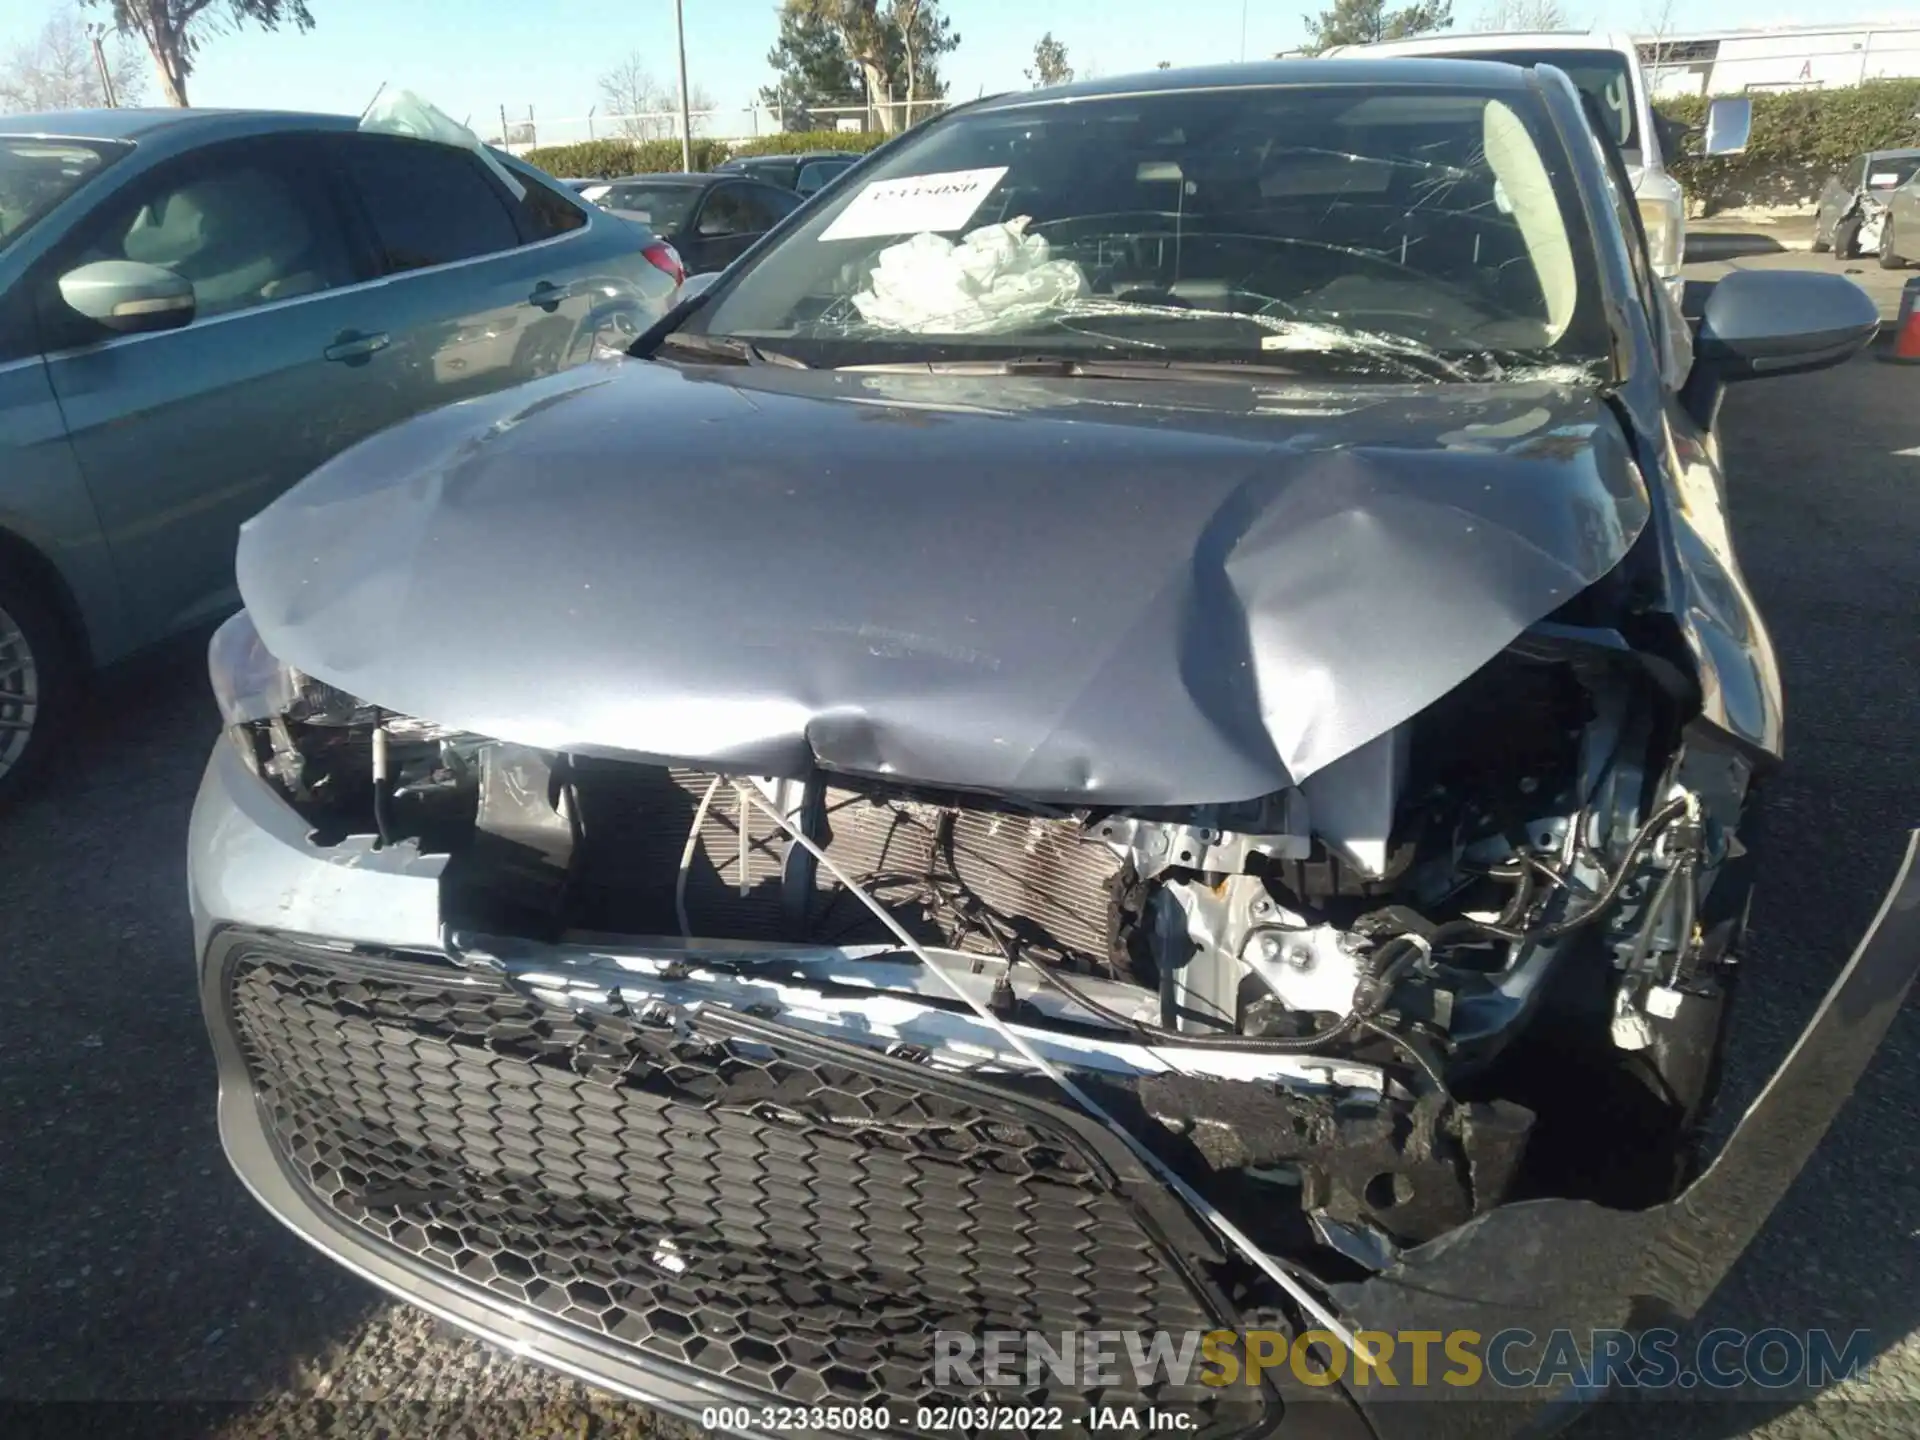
x,y
789,1217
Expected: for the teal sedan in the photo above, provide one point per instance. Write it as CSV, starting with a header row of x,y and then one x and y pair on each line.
x,y
198,307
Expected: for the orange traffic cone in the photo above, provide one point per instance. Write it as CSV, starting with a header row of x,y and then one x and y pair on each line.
x,y
1906,330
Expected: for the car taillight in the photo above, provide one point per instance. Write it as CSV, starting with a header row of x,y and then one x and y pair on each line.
x,y
666,259
1665,223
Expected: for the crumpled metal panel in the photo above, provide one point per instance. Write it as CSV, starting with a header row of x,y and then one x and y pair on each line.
x,y
1124,592
1571,1265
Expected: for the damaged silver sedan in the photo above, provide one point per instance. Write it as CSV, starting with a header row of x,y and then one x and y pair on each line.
x,y
1143,720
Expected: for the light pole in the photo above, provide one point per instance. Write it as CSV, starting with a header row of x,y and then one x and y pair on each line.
x,y
94,33
686,121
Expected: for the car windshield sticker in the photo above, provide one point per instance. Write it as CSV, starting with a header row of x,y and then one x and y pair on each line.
x,y
1881,179
939,202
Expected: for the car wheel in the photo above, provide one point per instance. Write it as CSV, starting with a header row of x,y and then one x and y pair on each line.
x,y
1889,256
1846,239
39,680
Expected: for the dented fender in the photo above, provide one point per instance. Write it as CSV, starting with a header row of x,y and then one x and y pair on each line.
x,y
1542,1265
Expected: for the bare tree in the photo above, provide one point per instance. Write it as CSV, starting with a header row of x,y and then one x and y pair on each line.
x,y
56,70
641,108
1657,22
633,98
1523,15
175,29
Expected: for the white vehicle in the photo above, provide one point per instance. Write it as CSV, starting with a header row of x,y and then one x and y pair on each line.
x,y
1606,66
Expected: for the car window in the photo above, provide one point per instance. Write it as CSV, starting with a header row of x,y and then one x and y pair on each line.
x,y
817,173
776,171
1603,74
246,225
732,210
429,204
664,207
544,210
1890,172
1384,227
768,205
36,174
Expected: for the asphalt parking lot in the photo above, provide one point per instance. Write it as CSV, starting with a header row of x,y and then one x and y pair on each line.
x,y
134,1267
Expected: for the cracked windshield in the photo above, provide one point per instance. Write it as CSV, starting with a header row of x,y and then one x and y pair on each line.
x,y
1414,234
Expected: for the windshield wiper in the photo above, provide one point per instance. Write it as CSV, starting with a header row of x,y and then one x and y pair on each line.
x,y
726,347
1067,366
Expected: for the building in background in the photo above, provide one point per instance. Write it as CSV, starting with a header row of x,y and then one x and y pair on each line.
x,y
1788,57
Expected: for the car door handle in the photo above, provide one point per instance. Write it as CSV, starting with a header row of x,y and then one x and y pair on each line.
x,y
352,345
547,295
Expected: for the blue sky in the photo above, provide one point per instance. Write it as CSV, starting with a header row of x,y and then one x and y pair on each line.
x,y
472,56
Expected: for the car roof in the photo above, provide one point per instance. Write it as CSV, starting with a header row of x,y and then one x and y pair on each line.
x,y
1267,74
184,126
669,178
1487,41
1897,152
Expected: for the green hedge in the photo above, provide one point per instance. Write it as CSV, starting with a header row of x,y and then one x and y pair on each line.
x,y
602,159
804,140
1819,129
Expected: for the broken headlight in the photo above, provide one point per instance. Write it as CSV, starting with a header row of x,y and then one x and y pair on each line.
x,y
251,685
345,764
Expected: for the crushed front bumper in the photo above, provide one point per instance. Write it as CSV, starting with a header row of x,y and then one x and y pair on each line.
x,y
735,1213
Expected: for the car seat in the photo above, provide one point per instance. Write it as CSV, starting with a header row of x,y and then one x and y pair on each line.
x,y
241,238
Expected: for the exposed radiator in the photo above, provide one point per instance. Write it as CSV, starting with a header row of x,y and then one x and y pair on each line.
x,y
974,879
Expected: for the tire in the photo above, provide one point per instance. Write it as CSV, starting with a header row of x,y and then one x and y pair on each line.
x,y
1889,257
1846,238
40,681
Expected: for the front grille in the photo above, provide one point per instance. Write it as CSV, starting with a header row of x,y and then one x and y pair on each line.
x,y
790,1217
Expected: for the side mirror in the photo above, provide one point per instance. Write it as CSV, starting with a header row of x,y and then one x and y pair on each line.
x,y
1673,135
128,296
696,285
1758,323
1729,125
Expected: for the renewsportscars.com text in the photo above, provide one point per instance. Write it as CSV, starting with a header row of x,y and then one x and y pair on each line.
x,y
1514,1359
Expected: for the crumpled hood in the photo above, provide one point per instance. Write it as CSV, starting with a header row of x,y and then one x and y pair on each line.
x,y
1127,592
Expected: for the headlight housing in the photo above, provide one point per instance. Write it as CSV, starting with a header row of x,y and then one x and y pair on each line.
x,y
1665,225
251,684
346,766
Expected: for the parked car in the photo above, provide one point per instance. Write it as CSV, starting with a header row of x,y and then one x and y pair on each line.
x,y
1900,225
1605,65
1849,217
782,170
197,308
816,174
1146,720
710,220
